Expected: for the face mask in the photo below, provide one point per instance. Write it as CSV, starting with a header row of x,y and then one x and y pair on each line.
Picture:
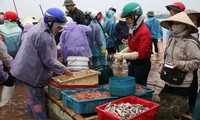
x,y
178,28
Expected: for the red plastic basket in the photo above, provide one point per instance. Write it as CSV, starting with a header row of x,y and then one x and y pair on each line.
x,y
148,115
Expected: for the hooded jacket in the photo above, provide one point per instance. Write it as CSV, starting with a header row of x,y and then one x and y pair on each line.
x,y
185,51
36,59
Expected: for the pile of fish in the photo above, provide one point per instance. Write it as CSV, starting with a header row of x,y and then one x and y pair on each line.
x,y
126,110
88,95
139,89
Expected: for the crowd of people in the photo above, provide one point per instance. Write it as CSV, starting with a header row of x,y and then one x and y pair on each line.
x,y
29,53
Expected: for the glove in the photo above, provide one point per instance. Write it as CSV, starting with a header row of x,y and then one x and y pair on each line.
x,y
102,50
130,56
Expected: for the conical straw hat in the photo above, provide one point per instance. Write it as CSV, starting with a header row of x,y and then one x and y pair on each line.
x,y
181,18
194,12
29,19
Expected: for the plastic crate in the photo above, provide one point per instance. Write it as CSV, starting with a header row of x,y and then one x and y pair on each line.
x,y
148,91
84,106
55,88
148,115
84,77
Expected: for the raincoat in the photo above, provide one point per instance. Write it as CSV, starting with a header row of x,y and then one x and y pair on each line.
x,y
155,28
11,35
3,75
36,60
27,26
74,40
108,26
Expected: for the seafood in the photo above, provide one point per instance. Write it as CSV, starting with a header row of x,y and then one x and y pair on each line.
x,y
125,110
90,94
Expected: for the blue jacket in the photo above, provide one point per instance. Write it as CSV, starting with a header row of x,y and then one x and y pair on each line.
x,y
36,59
155,28
121,32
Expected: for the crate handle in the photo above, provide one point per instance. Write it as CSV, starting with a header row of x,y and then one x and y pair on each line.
x,y
68,99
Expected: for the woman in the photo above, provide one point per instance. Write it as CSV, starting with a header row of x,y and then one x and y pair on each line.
x,y
182,52
139,44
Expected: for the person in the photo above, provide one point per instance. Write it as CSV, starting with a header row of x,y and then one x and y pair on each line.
x,y
1,18
97,40
195,17
74,40
11,34
156,31
121,32
182,52
109,26
173,9
36,60
87,16
139,44
76,14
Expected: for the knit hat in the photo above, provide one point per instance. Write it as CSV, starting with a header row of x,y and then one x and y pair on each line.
x,y
180,18
195,13
150,14
69,3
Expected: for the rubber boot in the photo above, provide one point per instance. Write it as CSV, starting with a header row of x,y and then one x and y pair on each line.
x,y
6,95
40,115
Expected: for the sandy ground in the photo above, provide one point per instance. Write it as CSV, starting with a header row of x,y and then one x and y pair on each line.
x,y
17,109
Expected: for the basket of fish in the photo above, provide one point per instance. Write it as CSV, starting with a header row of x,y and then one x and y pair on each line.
x,y
128,108
83,77
55,89
85,101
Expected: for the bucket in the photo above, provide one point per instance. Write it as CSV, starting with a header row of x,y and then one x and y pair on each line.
x,y
122,85
77,63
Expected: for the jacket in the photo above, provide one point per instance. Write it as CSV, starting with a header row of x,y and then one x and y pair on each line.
x,y
141,41
155,28
185,51
11,33
36,60
74,40
121,32
77,16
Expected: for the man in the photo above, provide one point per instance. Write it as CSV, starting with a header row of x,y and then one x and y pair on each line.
x,y
156,31
36,60
76,14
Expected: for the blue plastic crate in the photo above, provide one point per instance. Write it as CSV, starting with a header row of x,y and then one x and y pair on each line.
x,y
148,91
84,106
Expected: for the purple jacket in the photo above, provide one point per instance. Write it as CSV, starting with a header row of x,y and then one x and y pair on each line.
x,y
36,60
74,40
3,74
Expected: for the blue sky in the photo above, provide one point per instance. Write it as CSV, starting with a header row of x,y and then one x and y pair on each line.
x,y
31,7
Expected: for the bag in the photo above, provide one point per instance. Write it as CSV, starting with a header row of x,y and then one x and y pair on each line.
x,y
173,76
106,73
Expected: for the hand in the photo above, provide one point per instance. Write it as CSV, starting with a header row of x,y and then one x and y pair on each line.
x,y
68,73
124,41
175,64
119,56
